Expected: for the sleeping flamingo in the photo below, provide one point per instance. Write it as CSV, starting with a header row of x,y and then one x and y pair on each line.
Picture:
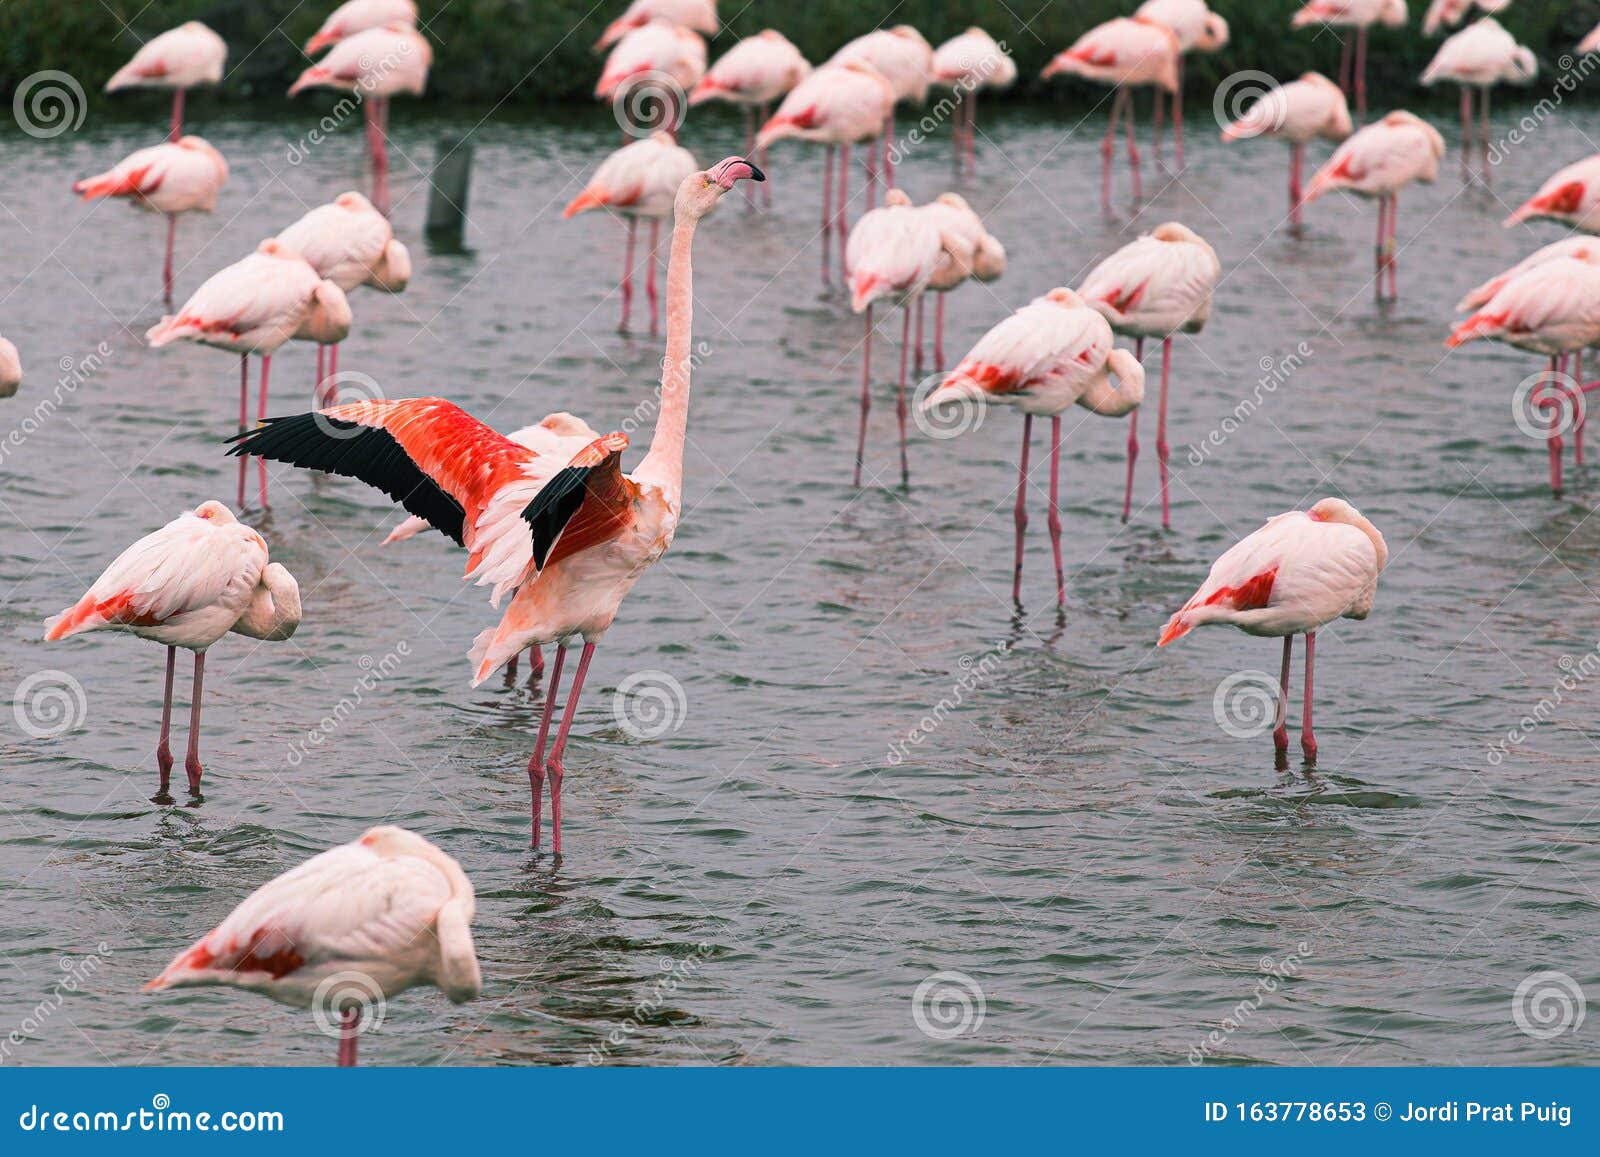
x,y
180,58
254,306
842,104
1551,308
199,577
1155,287
964,64
1480,56
1360,15
752,74
904,59
1298,573
182,176
1379,161
892,255
971,253
1444,14
638,181
349,243
571,538
1572,197
1198,29
375,64
1124,53
1053,353
1297,112
695,15
10,369
648,73
360,15
348,929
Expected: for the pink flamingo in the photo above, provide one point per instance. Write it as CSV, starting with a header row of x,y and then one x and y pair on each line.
x,y
10,369
1549,305
695,15
972,253
1444,14
837,105
892,255
964,64
903,58
648,73
1155,287
201,576
1572,197
359,16
752,74
1360,15
1480,56
1378,161
1124,53
182,176
350,243
1298,573
1198,29
1297,112
638,182
1053,353
375,64
346,930
254,306
180,58
569,538
1591,42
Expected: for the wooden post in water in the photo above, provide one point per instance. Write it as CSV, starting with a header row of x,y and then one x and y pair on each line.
x,y
447,194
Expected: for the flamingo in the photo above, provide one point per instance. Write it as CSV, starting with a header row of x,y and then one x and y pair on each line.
x,y
954,217
892,255
1378,161
1550,307
1572,197
180,58
356,925
1052,353
375,64
1298,573
349,243
1480,55
1198,29
837,105
1591,42
571,538
1155,287
182,176
359,16
695,15
254,306
752,74
903,58
657,61
1299,111
199,577
1125,53
1583,247
1444,14
1360,15
638,181
964,64
10,369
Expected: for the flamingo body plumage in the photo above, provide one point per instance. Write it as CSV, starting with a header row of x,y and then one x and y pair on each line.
x,y
355,16
695,15
1571,196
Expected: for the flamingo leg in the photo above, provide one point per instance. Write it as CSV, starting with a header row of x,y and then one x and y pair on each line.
x,y
1107,148
1163,451
650,277
1054,520
842,211
555,768
827,214
627,274
1361,74
1377,254
1133,441
766,186
957,147
536,763
1156,121
1133,150
166,268
244,417
1579,401
1555,442
972,132
1308,741
535,663
191,761
1391,256
1484,135
866,395
1297,158
888,151
900,403
164,746
383,155
1466,130
177,118
870,166
917,369
1177,114
938,335
749,145
349,1032
261,415
1280,733
1020,513
316,389
331,394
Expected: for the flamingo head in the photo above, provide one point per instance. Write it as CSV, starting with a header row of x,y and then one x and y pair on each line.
x,y
214,511
392,273
1214,36
700,192
327,318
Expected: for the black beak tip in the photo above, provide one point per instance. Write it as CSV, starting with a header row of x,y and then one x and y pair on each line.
x,y
755,172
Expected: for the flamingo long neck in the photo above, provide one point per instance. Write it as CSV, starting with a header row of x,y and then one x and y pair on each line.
x,y
274,611
663,465
1115,401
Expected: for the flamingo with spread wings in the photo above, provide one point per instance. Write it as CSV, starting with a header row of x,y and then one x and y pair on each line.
x,y
569,537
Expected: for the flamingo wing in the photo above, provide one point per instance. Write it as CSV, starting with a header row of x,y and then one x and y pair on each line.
x,y
587,503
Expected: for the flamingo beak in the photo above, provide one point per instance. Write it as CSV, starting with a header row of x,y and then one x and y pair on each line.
x,y
727,173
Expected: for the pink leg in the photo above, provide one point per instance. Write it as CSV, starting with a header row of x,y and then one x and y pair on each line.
x,y
1133,151
938,335
627,274
322,376
166,268
972,132
177,118
1308,741
1555,442
870,165
1108,146
900,404
1361,75
827,213
244,417
866,394
1391,250
1156,120
535,663
1383,233
917,369
555,768
1163,451
1054,520
349,1031
331,394
957,145
1133,442
1484,135
1177,115
1579,401
511,669
383,155
164,747
650,277
1297,156
536,764
1280,733
1020,513
261,413
191,761
842,212
888,152
1466,130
